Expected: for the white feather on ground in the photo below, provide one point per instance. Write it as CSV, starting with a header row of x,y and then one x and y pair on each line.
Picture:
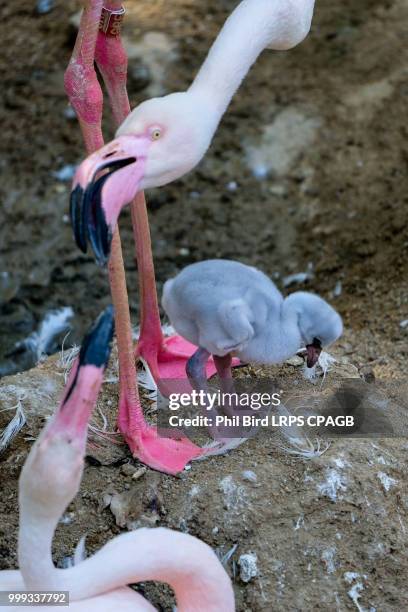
x,y
39,343
296,442
19,419
325,363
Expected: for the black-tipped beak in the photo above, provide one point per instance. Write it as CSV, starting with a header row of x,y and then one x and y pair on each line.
x,y
88,216
313,353
95,349
96,345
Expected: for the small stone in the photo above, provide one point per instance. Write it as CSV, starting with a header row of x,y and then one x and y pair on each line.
x,y
295,361
66,173
139,473
69,113
278,190
128,469
337,289
249,475
248,566
44,6
67,518
106,500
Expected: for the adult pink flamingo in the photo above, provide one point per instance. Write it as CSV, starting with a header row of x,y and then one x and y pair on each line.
x,y
49,481
161,140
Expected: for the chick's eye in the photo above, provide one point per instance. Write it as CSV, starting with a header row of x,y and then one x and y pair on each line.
x,y
155,134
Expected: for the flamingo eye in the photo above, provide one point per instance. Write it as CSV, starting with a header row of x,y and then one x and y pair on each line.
x,y
155,134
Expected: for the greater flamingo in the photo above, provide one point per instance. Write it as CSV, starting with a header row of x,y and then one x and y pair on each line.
x,y
49,481
161,140
227,308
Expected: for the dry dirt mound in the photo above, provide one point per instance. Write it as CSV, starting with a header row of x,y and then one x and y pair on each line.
x,y
328,532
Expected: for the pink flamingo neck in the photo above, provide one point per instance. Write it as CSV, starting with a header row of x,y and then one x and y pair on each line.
x,y
253,26
188,565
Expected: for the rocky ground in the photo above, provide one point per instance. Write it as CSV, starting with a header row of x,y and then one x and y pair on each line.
x,y
307,173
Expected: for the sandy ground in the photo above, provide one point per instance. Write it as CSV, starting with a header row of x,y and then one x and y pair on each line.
x,y
307,172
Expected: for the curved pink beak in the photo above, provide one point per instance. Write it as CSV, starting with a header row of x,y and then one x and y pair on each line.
x,y
104,183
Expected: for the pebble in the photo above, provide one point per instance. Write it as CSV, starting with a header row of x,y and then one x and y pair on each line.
x,y
139,473
232,186
130,470
295,361
44,6
127,469
66,173
248,566
69,113
278,190
249,475
260,172
337,289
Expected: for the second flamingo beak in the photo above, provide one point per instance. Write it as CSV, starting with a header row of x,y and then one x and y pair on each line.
x,y
104,183
85,380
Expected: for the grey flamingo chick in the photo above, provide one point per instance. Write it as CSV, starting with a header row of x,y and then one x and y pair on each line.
x,y
230,309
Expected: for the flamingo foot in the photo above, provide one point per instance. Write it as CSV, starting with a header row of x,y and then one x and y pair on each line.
x,y
168,455
163,454
168,361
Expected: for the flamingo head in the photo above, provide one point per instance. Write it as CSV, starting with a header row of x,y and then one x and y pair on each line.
x,y
160,141
319,323
52,472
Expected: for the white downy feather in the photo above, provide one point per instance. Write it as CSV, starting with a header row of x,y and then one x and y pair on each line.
x,y
19,419
325,363
298,443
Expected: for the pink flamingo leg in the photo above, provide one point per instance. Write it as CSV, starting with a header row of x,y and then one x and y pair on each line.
x,y
165,357
83,89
